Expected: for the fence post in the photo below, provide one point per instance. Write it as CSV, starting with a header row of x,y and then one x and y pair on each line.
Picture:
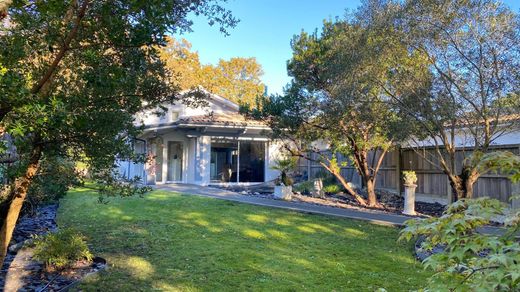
x,y
309,167
515,191
398,169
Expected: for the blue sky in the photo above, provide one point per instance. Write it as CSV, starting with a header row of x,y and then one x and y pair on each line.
x,y
265,30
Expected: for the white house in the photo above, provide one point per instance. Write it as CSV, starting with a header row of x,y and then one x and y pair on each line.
x,y
205,145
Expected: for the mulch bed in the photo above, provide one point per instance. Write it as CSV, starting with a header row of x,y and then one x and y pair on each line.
x,y
21,272
390,202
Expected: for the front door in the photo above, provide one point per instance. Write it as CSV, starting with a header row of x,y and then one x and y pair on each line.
x,y
174,162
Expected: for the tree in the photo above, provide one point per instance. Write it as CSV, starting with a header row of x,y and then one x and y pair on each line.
x,y
182,62
337,98
74,73
237,79
470,99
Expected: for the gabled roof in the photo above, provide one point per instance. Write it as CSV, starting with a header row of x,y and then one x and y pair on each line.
x,y
222,100
235,120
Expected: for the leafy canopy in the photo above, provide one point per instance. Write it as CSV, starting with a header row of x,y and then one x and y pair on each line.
x,y
74,73
237,79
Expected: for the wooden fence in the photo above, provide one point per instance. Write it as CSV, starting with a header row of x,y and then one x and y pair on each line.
x,y
431,181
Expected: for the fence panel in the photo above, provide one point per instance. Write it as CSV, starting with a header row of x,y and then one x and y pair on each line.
x,y
431,180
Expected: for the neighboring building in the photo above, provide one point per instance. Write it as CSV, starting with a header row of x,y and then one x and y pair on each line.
x,y
210,144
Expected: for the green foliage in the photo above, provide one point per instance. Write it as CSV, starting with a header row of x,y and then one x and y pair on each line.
x,y
332,189
110,184
471,261
55,176
458,43
409,177
74,73
476,261
326,177
285,166
305,188
61,249
338,96
504,161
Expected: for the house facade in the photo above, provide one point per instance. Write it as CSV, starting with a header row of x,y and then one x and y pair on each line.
x,y
206,145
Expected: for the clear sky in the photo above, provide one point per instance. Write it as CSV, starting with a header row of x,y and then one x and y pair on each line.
x,y
265,30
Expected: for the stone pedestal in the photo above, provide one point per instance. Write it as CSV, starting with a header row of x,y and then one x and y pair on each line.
x,y
318,189
409,199
283,192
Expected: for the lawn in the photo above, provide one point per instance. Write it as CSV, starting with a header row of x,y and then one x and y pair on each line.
x,y
174,242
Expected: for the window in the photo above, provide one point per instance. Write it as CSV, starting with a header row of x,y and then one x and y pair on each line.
x,y
237,161
174,116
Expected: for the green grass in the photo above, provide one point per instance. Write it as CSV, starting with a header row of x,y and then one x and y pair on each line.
x,y
168,241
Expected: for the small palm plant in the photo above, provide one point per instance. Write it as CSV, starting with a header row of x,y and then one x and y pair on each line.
x,y
285,166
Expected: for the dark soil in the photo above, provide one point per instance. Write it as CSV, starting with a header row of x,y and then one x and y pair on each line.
x,y
35,278
390,202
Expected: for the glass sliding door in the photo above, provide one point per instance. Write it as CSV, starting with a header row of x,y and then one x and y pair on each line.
x,y
237,161
175,154
224,160
251,161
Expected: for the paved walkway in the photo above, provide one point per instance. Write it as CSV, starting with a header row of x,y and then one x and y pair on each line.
x,y
373,216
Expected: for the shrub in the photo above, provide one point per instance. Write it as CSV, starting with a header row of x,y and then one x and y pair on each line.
x,y
55,177
61,249
326,177
332,189
305,187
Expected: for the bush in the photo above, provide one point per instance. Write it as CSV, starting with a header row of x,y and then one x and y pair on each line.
x,y
470,261
332,189
55,176
305,187
61,249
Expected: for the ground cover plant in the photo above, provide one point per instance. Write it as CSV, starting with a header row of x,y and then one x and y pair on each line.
x,y
169,241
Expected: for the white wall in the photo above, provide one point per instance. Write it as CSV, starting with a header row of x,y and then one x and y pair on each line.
x,y
273,152
215,105
202,160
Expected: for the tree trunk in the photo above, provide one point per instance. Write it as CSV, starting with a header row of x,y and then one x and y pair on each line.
x,y
16,197
371,192
462,184
349,189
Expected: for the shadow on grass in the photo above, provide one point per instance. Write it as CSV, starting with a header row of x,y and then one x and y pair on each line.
x,y
167,241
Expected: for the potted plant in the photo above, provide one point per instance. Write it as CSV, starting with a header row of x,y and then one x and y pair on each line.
x,y
410,180
283,185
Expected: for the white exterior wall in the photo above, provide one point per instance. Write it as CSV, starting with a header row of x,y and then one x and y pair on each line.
x,y
272,153
216,105
203,160
196,150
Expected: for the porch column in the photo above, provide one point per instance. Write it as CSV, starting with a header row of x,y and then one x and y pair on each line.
x,y
203,160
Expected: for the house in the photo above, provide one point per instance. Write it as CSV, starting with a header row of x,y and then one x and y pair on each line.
x,y
206,145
